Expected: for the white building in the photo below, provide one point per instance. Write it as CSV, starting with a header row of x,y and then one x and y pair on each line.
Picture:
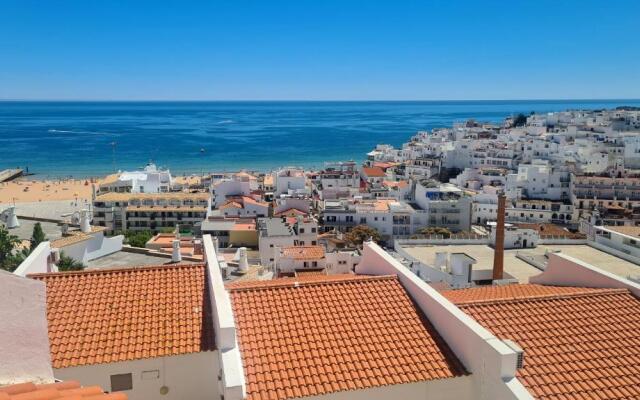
x,y
149,180
290,181
275,233
149,211
538,180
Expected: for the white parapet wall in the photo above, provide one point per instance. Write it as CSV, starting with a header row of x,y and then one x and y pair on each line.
x,y
490,361
232,373
563,270
24,344
39,261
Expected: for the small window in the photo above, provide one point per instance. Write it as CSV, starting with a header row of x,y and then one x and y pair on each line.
x,y
271,245
301,230
121,382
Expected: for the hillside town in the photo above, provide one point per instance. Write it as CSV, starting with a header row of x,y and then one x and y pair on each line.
x,y
478,261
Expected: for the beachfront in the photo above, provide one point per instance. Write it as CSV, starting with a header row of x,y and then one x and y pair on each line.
x,y
28,191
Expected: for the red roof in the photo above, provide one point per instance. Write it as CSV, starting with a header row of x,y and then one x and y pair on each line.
x,y
67,390
373,172
306,337
303,252
102,316
578,342
291,212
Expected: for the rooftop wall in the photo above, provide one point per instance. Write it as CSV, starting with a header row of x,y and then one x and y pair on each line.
x,y
490,361
24,343
37,262
563,270
232,373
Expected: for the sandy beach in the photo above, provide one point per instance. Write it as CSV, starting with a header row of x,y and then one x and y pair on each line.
x,y
30,191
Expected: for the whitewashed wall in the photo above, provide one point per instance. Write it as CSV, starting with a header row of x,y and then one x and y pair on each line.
x,y
189,376
24,344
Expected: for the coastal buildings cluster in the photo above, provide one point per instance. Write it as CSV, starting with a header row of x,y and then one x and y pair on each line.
x,y
494,261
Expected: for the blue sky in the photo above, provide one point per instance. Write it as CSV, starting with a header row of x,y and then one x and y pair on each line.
x,y
319,50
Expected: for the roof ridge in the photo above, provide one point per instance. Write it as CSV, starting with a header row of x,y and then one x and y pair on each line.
x,y
323,280
98,271
597,292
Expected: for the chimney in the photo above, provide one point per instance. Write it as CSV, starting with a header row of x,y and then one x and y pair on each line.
x,y
498,247
175,255
243,262
85,221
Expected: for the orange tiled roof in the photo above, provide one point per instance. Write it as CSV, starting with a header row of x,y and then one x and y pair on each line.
x,y
578,342
373,172
67,390
231,204
103,316
291,212
305,337
303,252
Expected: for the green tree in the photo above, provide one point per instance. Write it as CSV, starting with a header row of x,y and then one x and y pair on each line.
x,y
37,236
361,233
9,260
67,263
520,120
138,238
436,230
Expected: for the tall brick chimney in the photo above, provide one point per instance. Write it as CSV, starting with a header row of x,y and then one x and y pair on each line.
x,y
498,247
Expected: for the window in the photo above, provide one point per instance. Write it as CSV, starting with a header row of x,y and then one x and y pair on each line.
x,y
314,264
301,230
271,245
121,382
313,243
313,230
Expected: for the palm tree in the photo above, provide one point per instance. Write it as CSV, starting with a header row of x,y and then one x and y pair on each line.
x,y
67,263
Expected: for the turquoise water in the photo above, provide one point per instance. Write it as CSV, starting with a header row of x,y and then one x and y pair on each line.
x,y
56,139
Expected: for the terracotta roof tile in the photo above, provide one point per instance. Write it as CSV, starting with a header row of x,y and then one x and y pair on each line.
x,y
102,316
302,252
578,342
373,172
60,390
291,212
314,336
73,238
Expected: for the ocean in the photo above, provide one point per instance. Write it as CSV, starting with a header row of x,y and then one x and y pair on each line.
x,y
81,139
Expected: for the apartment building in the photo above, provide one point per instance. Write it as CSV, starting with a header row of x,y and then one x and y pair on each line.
x,y
541,211
275,233
619,188
388,216
539,180
290,181
444,205
149,180
149,211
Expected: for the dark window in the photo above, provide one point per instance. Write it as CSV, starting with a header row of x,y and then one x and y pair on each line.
x,y
121,382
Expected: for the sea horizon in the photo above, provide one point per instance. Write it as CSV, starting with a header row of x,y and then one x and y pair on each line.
x,y
86,138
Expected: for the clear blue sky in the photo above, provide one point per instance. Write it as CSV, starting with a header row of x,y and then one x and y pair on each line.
x,y
320,49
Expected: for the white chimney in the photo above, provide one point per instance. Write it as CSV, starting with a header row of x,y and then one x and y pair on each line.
x,y
10,217
243,262
85,221
176,256
216,244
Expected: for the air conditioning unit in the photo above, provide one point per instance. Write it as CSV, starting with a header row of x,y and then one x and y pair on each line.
x,y
518,350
